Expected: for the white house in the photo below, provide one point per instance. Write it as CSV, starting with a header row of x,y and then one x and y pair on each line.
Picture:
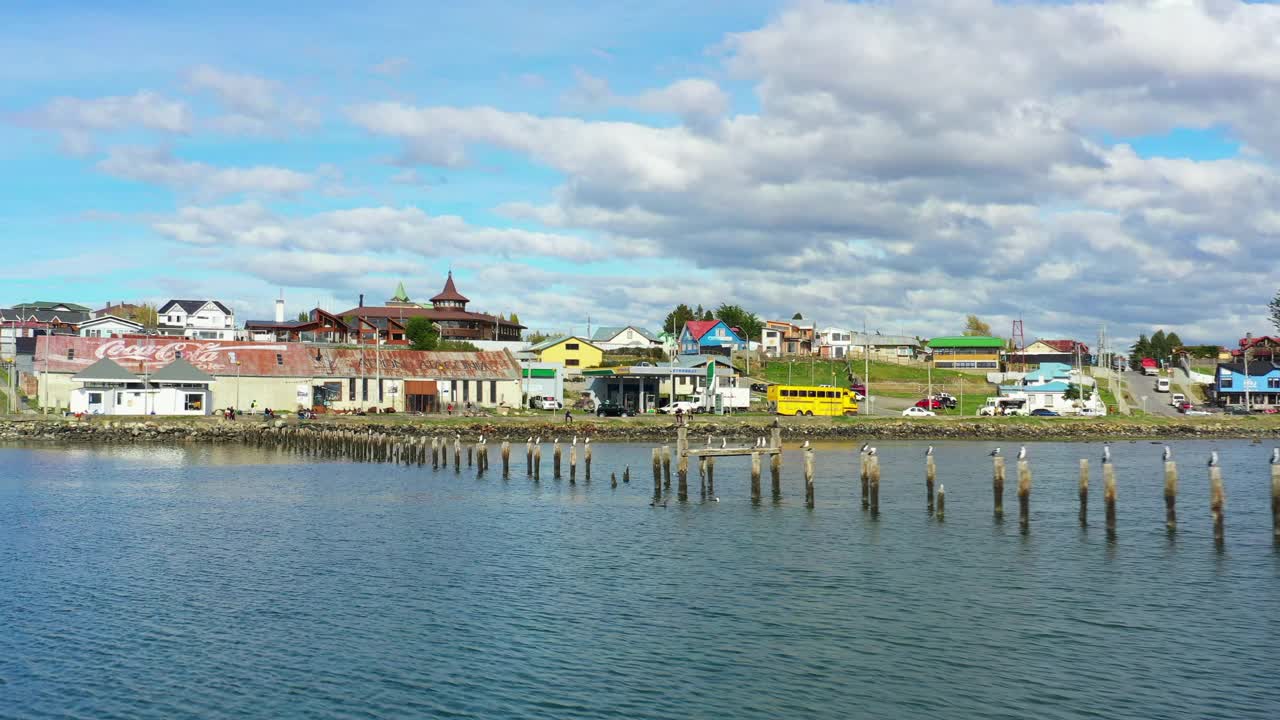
x,y
108,326
200,319
1047,386
106,388
626,336
833,342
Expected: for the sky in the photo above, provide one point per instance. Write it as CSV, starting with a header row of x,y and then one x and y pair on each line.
x,y
898,164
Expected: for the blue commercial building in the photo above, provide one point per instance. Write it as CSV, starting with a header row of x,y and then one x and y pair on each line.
x,y
1262,383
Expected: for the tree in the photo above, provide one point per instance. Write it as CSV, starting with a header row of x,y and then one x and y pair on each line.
x,y
1159,346
456,346
422,334
537,336
1174,342
515,318
303,316
1077,392
678,317
1139,350
797,316
146,315
974,327
1274,310
736,316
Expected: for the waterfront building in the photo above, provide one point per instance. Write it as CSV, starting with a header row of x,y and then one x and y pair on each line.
x,y
977,353
619,337
448,310
1260,382
783,338
569,351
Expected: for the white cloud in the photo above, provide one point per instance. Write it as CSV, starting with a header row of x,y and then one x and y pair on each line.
x,y
392,66
78,119
698,102
159,167
254,105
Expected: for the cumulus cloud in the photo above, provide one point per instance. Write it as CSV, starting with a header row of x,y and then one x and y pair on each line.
x,y
253,105
79,119
934,158
160,167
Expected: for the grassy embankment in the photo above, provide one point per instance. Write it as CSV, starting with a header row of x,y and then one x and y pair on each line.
x,y
902,381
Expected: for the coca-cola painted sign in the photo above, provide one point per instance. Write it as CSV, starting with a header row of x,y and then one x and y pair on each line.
x,y
211,356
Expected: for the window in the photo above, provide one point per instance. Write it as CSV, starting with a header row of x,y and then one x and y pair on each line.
x,y
119,398
71,353
380,390
493,391
364,390
279,359
1225,382
177,354
1273,383
571,362
466,391
571,346
813,393
194,402
351,388
95,398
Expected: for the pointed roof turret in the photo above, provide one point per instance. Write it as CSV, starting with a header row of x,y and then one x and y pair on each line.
x,y
401,295
450,293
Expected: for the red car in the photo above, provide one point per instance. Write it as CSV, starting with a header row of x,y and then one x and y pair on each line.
x,y
931,404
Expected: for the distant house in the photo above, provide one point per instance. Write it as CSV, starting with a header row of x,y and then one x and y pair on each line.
x,y
571,351
709,337
1263,346
781,338
106,388
62,307
1262,383
1046,387
967,352
448,311
887,348
325,327
618,337
199,319
109,326
1068,352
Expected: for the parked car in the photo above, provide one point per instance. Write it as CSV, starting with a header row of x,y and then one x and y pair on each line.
x,y
1091,412
1177,399
1197,412
931,404
683,406
612,409
760,387
859,388
1236,410
918,412
948,400
545,402
1184,406
1044,412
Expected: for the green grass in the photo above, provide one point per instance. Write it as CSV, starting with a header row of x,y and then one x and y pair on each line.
x,y
821,371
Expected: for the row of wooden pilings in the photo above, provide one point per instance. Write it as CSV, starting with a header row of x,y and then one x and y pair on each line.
x,y
382,447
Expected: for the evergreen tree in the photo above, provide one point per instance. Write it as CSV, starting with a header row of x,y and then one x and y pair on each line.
x,y
797,316
736,316
421,333
303,316
1159,346
1274,311
677,318
515,318
1139,350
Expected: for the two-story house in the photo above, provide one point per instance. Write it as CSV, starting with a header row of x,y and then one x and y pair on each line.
x,y
1261,383
967,352
713,337
782,337
200,319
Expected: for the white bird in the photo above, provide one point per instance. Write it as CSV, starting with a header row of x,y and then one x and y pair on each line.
x,y
1275,456
1106,454
530,439
538,441
575,440
481,440
865,446
871,452
1167,454
715,499
994,453
557,441
1213,458
724,442
1022,452
929,452
587,441
805,446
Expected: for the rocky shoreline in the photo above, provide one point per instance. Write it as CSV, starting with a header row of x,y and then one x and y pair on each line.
x,y
209,430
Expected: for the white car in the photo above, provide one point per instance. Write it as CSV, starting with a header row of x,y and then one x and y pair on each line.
x,y
1196,413
1177,399
918,412
683,406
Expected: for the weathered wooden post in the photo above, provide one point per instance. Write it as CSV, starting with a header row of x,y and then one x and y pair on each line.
x,y
930,475
457,453
537,462
484,455
997,483
755,476
775,473
469,449
808,477
942,503
555,459
1109,495
506,458
573,463
626,474
873,472
1170,491
775,435
864,476
1024,492
666,467
1217,499
711,476
1084,492
528,457
702,476
657,472
435,453
682,473
613,479
479,462
1275,495
586,460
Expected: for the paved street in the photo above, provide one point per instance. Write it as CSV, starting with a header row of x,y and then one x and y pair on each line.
x,y
1157,403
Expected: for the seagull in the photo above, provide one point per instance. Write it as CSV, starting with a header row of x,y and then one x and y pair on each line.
x,y
715,499
557,441
724,443
481,440
538,441
530,439
929,452
865,447
871,452
1168,454
575,440
1106,454
1213,459
1275,456
994,453
1022,452
805,446
587,441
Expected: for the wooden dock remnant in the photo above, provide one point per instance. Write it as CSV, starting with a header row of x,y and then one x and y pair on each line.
x,y
930,476
1084,492
808,477
1024,490
873,480
942,503
997,482
1170,491
1217,499
755,477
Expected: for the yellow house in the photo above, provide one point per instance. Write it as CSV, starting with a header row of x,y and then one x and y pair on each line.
x,y
571,351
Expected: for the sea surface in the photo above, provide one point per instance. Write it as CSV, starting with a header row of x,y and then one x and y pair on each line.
x,y
140,582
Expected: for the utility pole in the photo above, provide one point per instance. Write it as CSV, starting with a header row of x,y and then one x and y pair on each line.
x,y
866,367
1248,345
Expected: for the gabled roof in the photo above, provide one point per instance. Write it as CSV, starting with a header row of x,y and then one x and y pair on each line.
x,y
105,369
552,342
1065,346
47,305
192,306
450,292
698,328
180,371
401,295
963,341
1257,368
111,318
608,332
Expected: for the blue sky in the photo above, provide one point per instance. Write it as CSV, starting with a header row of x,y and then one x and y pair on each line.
x,y
902,163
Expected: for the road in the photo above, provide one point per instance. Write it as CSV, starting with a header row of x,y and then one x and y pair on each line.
x,y
1157,403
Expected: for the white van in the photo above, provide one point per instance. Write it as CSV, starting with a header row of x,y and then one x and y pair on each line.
x,y
1177,399
1162,384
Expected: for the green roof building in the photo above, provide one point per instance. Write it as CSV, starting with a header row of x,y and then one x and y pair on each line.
x,y
972,353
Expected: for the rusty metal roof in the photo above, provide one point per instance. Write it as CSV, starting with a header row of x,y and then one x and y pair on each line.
x,y
71,354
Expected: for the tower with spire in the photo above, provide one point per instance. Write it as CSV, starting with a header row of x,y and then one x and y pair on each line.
x,y
449,298
401,298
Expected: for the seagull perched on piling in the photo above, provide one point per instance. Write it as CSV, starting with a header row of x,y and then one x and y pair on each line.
x,y
530,439
871,452
575,440
1213,458
538,440
865,447
1022,452
1106,454
805,446
724,443
1168,454
1275,456
994,453
929,452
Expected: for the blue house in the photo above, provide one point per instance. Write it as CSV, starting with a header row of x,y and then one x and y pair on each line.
x,y
711,337
1262,383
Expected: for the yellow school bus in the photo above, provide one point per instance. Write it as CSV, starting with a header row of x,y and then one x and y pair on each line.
x,y
810,400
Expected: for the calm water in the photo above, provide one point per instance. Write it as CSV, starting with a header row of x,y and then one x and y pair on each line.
x,y
228,583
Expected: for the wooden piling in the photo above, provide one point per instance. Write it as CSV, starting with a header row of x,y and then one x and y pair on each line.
x,y
711,476
864,475
941,512
1109,496
775,474
930,475
573,464
586,461
808,477
626,474
1170,495
528,457
775,435
873,481
666,466
682,472
1275,502
1084,492
457,454
1217,503
469,449
1024,493
537,463
555,460
506,458
997,483
755,476
702,477
484,455
657,471
613,479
